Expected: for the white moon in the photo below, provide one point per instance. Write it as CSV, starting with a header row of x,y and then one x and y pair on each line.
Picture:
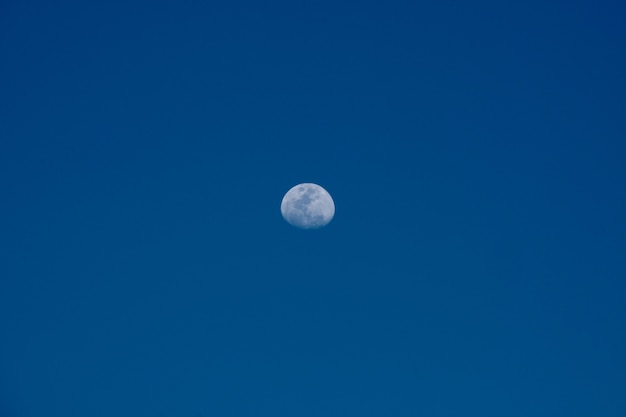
x,y
308,206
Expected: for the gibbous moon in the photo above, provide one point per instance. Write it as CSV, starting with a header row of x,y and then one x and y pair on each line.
x,y
308,206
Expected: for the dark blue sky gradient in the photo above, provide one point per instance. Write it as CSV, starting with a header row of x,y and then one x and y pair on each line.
x,y
476,265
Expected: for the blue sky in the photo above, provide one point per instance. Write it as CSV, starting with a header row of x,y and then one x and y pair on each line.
x,y
475,153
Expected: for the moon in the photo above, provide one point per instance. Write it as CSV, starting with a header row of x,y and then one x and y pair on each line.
x,y
307,206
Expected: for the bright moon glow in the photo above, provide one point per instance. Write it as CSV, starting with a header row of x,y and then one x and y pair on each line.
x,y
308,206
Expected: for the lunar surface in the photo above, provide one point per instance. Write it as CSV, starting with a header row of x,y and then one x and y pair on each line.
x,y
308,206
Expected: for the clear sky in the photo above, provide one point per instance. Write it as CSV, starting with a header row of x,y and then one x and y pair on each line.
x,y
476,264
